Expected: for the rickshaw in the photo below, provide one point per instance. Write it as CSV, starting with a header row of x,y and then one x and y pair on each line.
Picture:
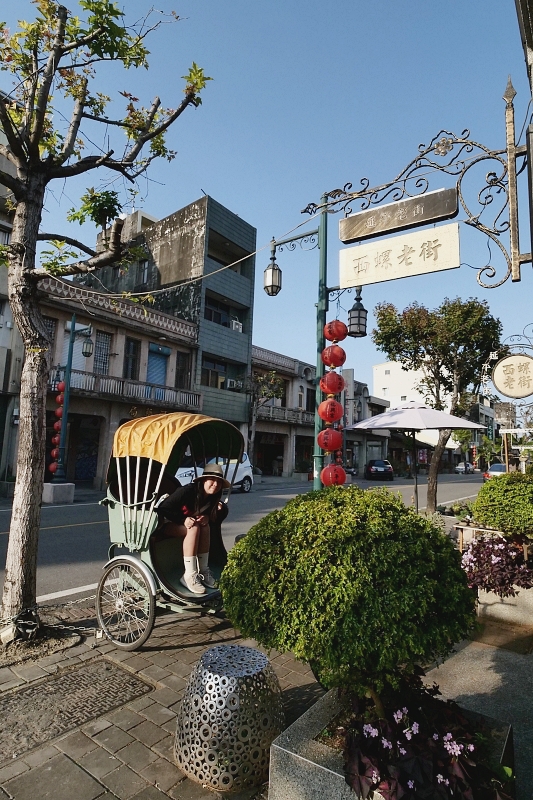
x,y
144,567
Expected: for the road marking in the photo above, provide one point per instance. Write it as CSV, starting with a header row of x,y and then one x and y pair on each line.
x,y
66,592
72,525
67,505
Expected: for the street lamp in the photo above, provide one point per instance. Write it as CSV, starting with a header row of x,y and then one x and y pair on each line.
x,y
357,317
87,349
272,274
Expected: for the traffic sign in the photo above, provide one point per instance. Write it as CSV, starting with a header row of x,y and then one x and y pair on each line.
x,y
401,256
402,215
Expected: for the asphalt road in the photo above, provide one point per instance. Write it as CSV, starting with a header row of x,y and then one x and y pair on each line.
x,y
74,539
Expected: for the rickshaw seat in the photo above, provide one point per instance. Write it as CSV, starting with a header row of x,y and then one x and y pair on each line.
x,y
130,526
167,560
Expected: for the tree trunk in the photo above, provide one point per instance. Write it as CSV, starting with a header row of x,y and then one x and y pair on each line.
x,y
21,563
431,505
251,438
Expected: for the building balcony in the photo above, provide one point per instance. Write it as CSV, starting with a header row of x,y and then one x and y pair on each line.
x,y
293,416
109,387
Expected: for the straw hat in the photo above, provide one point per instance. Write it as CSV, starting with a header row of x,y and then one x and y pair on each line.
x,y
214,471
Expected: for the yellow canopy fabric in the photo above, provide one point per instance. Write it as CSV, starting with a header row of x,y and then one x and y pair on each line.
x,y
155,436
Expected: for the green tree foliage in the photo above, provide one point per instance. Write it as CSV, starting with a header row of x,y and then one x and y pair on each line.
x,y
351,581
449,345
505,504
58,125
261,387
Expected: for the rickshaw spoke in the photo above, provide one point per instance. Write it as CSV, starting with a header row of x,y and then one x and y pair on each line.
x,y
125,605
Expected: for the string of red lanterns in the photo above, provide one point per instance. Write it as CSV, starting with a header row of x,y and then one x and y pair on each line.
x,y
330,410
56,438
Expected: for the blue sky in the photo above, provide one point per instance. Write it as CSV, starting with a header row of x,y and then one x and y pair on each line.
x,y
306,97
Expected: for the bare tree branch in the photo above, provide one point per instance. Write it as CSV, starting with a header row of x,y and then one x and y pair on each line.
x,y
58,237
146,137
118,122
88,163
48,76
13,139
82,41
16,186
109,256
77,113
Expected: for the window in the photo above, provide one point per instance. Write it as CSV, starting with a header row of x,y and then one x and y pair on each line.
x,y
183,368
403,397
310,400
5,236
384,391
132,357
102,349
301,397
387,372
142,272
218,312
213,373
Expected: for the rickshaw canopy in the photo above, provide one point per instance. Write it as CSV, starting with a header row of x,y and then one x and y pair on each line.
x,y
166,437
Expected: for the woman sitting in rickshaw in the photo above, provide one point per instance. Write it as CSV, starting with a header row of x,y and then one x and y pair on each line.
x,y
189,512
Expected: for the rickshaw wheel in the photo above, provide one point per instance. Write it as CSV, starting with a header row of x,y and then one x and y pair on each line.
x,y
125,605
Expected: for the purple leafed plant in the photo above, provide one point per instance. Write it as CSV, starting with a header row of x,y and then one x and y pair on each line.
x,y
497,565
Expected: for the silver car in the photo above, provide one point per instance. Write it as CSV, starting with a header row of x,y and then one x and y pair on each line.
x,y
464,468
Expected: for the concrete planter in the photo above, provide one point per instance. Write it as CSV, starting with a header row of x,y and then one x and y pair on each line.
x,y
304,769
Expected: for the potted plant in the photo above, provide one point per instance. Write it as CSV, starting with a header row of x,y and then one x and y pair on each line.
x,y
351,581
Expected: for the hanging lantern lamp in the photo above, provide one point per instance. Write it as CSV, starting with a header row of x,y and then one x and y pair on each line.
x,y
333,356
332,383
329,439
335,331
357,317
333,475
330,411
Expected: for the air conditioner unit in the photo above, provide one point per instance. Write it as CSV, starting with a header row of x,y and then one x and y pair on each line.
x,y
236,325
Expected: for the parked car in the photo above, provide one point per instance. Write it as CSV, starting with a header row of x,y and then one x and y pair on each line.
x,y
493,471
379,469
243,479
464,468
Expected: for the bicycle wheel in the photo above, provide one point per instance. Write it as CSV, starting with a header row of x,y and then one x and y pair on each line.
x,y
125,605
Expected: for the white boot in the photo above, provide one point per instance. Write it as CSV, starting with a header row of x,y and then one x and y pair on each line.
x,y
206,576
191,578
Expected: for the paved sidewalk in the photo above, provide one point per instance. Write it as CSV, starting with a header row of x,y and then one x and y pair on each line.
x,y
128,753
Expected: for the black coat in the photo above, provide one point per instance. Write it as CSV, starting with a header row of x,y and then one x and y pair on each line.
x,y
183,502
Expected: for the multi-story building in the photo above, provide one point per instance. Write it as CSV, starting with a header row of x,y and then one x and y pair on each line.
x,y
199,267
359,404
284,438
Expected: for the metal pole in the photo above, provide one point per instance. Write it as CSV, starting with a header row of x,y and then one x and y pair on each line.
x,y
60,475
321,311
416,471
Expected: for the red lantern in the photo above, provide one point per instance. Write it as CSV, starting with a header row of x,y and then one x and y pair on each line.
x,y
57,426
61,386
332,383
330,439
56,439
53,466
59,412
330,410
335,331
55,452
333,475
60,399
333,356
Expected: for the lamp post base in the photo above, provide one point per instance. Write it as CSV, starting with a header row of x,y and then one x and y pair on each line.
x,y
58,493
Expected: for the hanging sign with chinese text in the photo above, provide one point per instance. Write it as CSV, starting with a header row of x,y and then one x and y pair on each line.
x,y
404,214
513,376
430,250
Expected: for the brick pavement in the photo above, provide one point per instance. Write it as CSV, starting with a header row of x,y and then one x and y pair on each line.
x,y
128,753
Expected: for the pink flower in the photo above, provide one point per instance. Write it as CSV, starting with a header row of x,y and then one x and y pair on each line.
x,y
411,784
402,751
436,736
414,727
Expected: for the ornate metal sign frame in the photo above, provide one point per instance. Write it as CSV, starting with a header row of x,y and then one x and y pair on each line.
x,y
456,156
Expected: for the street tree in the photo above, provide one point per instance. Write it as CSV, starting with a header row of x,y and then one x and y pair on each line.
x,y
464,438
261,387
57,127
449,346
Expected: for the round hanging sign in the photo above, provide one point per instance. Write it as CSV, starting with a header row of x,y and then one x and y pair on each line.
x,y
513,376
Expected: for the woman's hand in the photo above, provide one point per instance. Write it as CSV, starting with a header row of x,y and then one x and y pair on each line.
x,y
202,520
189,522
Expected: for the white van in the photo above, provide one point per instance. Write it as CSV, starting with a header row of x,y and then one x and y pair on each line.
x,y
243,479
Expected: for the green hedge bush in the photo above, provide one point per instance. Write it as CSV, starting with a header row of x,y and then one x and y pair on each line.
x,y
506,504
351,581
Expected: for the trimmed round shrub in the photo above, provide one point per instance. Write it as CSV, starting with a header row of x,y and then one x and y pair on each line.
x,y
506,504
351,581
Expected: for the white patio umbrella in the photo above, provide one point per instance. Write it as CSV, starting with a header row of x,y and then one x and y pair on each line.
x,y
414,417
